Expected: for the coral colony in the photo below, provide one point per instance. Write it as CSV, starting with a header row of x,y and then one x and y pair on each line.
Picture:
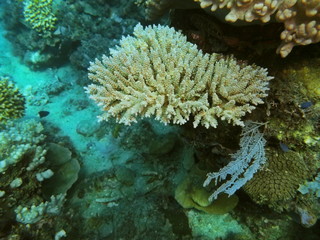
x,y
160,119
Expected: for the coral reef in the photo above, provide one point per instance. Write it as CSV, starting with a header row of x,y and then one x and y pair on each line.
x,y
292,131
22,158
74,36
24,173
158,73
11,101
115,178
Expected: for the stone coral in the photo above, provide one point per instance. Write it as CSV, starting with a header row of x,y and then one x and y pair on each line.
x,y
11,101
301,18
158,73
39,14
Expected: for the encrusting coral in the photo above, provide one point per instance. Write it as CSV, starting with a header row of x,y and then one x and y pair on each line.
x,y
158,73
11,101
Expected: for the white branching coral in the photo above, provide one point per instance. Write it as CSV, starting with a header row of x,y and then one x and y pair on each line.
x,y
158,73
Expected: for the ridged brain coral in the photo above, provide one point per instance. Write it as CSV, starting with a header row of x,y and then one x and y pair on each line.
x,y
158,73
11,101
277,183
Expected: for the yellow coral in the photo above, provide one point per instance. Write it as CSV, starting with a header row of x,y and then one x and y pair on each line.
x,y
190,194
11,101
40,15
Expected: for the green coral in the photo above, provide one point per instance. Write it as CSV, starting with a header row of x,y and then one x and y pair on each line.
x,y
39,14
11,101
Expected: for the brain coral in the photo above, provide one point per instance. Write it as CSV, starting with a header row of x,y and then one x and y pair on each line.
x,y
158,73
11,101
277,183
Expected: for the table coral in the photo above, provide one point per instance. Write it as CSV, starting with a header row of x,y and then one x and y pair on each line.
x,y
158,73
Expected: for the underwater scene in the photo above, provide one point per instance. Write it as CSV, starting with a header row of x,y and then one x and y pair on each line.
x,y
160,120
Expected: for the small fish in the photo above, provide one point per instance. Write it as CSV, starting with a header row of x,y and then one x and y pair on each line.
x,y
284,147
43,113
305,105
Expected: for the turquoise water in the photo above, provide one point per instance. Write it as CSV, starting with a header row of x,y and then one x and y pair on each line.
x,y
178,107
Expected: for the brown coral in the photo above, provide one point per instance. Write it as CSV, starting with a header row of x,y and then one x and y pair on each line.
x,y
301,18
277,183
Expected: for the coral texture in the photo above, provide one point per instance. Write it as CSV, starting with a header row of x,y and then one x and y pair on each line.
x,y
11,101
18,140
33,214
158,73
301,18
40,15
279,180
